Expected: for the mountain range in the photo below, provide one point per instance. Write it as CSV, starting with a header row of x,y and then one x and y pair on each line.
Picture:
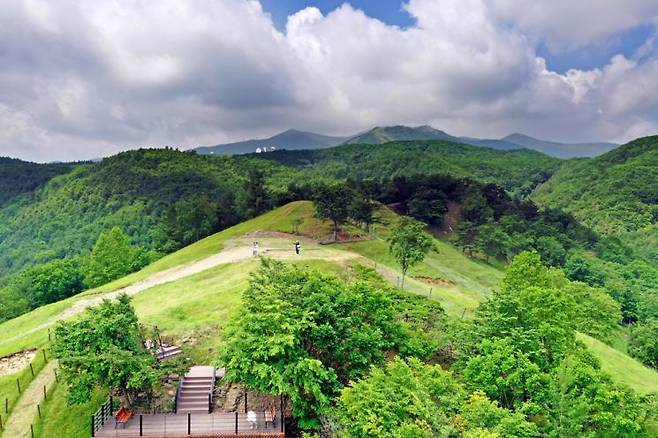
x,y
294,140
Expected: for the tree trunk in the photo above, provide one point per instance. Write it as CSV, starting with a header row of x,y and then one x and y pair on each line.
x,y
335,231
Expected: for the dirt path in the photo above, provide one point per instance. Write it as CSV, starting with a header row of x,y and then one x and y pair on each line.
x,y
25,412
228,255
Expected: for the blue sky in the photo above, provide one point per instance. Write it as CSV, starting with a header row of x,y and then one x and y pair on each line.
x,y
388,11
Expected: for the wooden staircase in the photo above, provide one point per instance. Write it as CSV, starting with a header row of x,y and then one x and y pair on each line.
x,y
195,391
167,351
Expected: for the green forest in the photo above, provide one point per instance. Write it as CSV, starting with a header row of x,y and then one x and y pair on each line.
x,y
355,355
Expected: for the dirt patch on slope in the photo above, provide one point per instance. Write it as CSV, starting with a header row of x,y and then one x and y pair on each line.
x,y
16,362
435,280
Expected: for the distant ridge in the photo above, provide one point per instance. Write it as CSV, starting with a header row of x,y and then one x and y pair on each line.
x,y
378,135
293,139
560,150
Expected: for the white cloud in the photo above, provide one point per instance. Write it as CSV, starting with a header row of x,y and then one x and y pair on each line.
x,y
569,24
88,78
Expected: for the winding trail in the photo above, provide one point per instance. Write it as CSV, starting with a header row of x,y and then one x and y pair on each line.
x,y
228,255
25,411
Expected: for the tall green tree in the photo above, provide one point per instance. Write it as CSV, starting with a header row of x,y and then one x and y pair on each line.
x,y
304,335
362,211
332,202
409,244
189,220
105,349
112,257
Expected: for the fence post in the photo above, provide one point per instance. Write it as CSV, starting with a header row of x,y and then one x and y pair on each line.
x,y
32,431
189,423
44,355
31,369
141,431
39,410
18,383
245,402
236,422
1,422
44,392
93,429
56,377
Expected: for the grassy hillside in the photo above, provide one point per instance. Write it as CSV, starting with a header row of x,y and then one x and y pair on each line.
x,y
132,190
615,192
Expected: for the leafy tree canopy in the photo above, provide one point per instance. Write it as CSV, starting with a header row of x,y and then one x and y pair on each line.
x,y
409,244
105,349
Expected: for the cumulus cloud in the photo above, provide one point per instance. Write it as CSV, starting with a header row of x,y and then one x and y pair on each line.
x,y
85,79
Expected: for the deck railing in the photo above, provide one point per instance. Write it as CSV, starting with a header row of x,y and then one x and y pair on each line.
x,y
101,416
184,425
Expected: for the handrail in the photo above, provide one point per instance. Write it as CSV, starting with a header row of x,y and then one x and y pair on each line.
x,y
212,390
99,417
178,390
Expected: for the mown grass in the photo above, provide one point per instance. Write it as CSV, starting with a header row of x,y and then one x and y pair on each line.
x,y
9,394
60,419
622,368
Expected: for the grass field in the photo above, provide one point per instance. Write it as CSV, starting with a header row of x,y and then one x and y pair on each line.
x,y
621,367
59,419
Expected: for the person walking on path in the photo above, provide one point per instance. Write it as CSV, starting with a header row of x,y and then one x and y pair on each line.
x,y
254,250
298,248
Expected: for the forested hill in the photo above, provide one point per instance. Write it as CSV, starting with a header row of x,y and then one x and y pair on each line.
x,y
136,191
614,193
518,171
18,176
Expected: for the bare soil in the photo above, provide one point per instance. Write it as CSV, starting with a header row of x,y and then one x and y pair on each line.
x,y
14,363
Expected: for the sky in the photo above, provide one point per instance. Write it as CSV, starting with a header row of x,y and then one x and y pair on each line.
x,y
81,80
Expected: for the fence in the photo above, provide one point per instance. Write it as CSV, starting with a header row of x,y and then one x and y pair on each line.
x,y
12,386
184,425
100,417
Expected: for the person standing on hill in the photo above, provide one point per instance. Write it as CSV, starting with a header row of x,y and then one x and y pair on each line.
x,y
298,247
254,249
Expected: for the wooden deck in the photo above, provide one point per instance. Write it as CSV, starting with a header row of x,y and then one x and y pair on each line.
x,y
200,426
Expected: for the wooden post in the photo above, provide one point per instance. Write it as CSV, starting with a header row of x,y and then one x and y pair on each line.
x,y
56,377
39,410
141,431
245,402
282,414
31,369
236,422
189,423
1,422
49,334
18,383
32,431
44,392
93,431
44,355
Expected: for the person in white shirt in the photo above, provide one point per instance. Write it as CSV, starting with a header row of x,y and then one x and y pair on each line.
x,y
251,418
